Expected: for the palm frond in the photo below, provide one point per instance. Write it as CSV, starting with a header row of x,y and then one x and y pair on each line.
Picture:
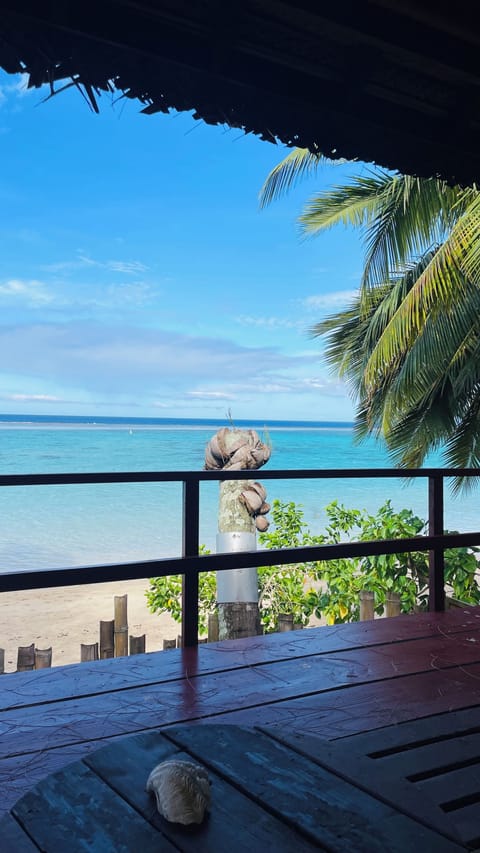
x,y
463,445
415,214
401,217
354,204
421,429
443,351
345,335
390,297
467,363
408,345
298,164
438,287
464,241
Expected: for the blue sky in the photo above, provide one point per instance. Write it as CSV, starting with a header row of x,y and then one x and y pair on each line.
x,y
139,277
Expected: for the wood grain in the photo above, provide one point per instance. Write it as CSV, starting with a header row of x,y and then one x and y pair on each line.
x,y
235,822
333,682
65,682
265,795
318,803
74,810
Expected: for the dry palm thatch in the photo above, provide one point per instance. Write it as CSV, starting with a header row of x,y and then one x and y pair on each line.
x,y
397,83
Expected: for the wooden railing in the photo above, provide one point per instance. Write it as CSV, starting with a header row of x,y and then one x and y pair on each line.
x,y
190,564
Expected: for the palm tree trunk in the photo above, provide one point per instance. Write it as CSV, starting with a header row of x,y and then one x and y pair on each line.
x,y
241,503
237,590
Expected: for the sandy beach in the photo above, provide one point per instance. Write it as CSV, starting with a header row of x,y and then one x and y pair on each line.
x,y
65,617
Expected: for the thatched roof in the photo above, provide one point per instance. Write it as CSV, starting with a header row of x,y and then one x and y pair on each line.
x,y
394,81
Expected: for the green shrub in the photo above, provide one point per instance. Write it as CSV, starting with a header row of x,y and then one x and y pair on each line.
x,y
331,588
165,596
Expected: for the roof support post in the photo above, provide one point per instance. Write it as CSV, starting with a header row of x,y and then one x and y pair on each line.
x,y
436,556
190,535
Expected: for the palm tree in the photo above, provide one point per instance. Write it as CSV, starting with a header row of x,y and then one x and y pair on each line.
x,y
409,344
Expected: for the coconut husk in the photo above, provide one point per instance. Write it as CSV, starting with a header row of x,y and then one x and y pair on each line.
x,y
252,500
261,523
261,455
236,450
211,461
260,490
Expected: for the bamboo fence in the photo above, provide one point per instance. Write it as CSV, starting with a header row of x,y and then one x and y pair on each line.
x,y
115,641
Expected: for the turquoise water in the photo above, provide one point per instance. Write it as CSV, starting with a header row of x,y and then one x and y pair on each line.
x,y
44,526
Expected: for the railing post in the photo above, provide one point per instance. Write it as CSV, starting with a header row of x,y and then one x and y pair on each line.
x,y
436,557
191,524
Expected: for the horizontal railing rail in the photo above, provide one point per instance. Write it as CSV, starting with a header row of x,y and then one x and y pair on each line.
x,y
265,474
191,564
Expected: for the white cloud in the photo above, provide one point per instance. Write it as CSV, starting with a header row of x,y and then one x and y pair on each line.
x,y
17,88
210,395
84,261
20,86
262,387
281,385
62,266
318,302
126,266
31,291
115,298
127,359
269,322
61,296
137,292
328,386
337,299
29,398
85,283
114,266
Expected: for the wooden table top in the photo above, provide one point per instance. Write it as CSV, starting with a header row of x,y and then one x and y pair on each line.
x,y
271,790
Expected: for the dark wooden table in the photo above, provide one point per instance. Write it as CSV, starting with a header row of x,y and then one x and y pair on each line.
x,y
271,790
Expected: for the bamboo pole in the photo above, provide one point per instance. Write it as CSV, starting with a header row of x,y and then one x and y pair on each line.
x,y
137,645
121,625
88,652
367,605
213,627
107,639
285,622
26,658
392,604
43,658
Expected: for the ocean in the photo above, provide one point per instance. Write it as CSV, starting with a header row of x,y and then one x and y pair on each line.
x,y
50,526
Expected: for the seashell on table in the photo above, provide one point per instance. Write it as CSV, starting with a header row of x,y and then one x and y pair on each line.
x,y
182,791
